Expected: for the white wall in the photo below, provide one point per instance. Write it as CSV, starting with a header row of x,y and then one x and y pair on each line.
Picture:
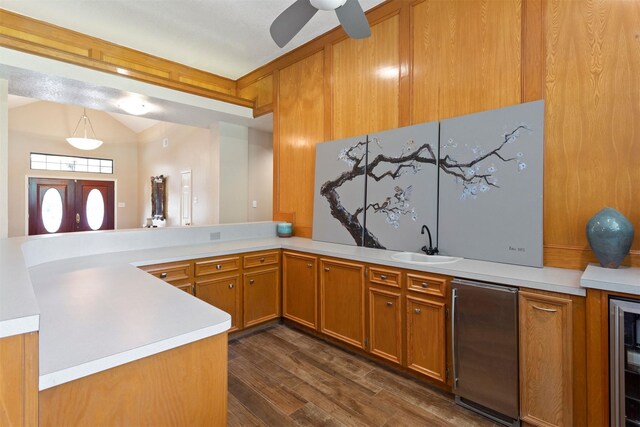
x,y
4,160
42,127
260,176
189,148
234,169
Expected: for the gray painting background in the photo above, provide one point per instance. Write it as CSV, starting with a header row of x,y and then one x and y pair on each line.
x,y
328,167
397,143
501,224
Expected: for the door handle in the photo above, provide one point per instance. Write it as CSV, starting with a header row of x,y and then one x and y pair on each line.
x,y
230,285
383,277
417,311
262,259
326,269
251,281
454,347
548,310
218,267
309,265
163,275
77,218
425,284
390,303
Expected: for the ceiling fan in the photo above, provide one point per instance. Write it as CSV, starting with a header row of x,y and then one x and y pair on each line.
x,y
296,16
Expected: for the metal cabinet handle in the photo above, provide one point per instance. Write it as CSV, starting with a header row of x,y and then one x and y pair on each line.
x,y
417,310
230,285
309,265
163,275
326,269
251,281
390,303
383,277
548,310
262,259
424,284
218,267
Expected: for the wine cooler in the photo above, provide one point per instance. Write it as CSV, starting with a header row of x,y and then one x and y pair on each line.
x,y
624,361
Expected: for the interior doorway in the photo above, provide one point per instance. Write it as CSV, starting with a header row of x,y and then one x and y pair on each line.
x,y
66,205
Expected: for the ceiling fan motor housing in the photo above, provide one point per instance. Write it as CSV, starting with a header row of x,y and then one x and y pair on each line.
x,y
327,4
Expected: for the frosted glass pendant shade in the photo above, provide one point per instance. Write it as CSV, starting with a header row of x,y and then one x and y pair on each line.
x,y
84,143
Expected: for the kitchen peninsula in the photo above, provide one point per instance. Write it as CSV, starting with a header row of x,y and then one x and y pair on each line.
x,y
104,325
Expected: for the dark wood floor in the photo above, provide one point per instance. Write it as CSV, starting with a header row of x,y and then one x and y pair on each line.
x,y
282,377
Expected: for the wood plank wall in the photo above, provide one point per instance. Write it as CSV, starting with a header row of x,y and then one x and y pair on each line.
x,y
429,60
433,59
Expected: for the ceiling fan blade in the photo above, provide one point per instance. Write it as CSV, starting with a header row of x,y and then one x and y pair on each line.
x,y
290,22
352,19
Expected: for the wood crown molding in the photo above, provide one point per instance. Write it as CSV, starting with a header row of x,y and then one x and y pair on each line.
x,y
44,39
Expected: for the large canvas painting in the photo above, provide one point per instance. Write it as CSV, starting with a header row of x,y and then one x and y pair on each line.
x,y
402,187
338,214
491,171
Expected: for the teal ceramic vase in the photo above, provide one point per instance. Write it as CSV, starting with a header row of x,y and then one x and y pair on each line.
x,y
610,235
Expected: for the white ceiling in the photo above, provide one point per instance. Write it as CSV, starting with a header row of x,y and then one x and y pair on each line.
x,y
225,37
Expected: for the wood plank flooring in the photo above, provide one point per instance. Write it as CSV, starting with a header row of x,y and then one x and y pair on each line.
x,y
282,377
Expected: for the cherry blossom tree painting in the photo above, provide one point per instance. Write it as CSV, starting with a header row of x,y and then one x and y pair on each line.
x,y
491,171
402,171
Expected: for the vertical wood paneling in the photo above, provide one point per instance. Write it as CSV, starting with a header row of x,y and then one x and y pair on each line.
x,y
592,120
300,126
466,57
366,80
19,380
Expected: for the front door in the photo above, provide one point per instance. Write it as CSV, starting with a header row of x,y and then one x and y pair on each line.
x,y
64,205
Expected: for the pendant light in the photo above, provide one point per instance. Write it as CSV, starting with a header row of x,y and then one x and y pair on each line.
x,y
84,143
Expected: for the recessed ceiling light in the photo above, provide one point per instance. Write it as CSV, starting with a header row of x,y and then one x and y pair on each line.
x,y
134,106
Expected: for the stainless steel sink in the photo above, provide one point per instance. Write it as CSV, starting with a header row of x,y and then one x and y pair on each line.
x,y
415,258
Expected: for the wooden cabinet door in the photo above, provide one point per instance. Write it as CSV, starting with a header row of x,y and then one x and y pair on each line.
x,y
426,337
261,299
187,287
385,324
223,293
299,289
342,298
545,360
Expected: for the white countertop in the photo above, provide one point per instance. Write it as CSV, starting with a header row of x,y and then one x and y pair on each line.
x,y
623,279
98,311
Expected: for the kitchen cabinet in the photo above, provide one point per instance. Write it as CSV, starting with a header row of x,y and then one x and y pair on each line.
x,y
261,296
426,337
342,301
385,324
427,301
300,288
224,293
179,274
546,339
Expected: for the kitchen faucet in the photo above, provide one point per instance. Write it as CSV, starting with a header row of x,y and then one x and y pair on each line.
x,y
428,250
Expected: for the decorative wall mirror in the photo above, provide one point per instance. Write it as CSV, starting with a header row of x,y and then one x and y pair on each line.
x,y
158,197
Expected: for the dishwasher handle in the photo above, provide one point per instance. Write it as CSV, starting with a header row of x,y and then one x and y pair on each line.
x,y
454,296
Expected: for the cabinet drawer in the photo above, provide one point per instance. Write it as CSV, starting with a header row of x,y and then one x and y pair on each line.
x,y
171,272
217,265
381,276
432,285
262,258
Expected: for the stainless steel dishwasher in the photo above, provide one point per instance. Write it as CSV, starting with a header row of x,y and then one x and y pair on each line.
x,y
485,349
